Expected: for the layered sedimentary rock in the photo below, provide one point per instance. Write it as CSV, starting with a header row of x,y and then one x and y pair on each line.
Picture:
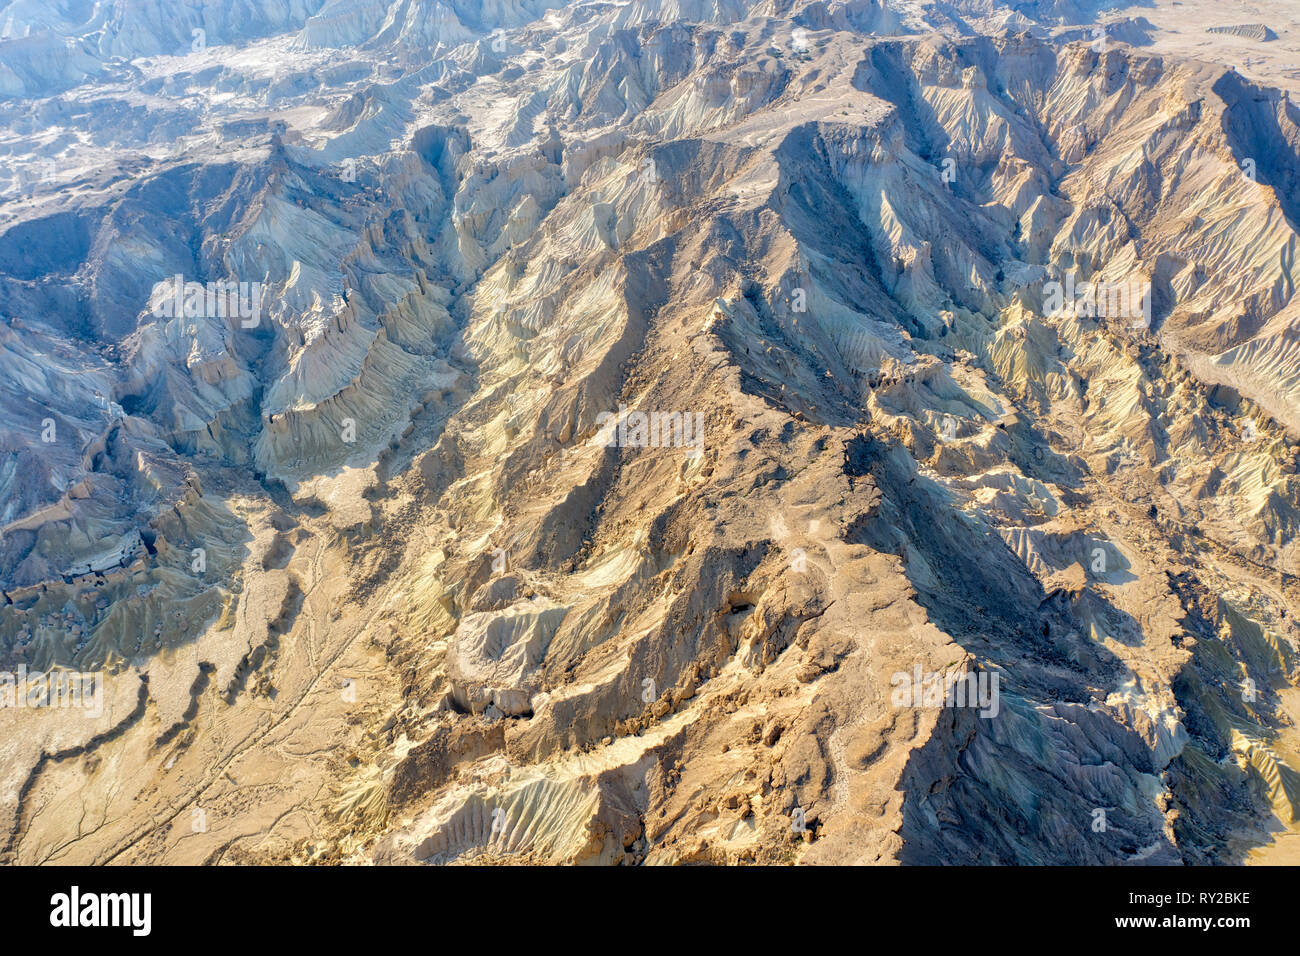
x,y
627,417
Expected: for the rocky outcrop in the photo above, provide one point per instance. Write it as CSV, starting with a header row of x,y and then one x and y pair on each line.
x,y
525,432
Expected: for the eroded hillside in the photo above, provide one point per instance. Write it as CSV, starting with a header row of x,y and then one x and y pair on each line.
x,y
630,403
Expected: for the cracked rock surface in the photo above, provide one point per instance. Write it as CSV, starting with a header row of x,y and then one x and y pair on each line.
x,y
645,417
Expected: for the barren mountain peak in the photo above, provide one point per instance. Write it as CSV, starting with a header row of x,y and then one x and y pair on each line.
x,y
666,431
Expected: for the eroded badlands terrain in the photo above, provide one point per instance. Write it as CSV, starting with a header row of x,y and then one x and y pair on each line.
x,y
385,569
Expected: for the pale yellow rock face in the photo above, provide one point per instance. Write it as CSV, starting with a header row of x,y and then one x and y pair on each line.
x,y
765,433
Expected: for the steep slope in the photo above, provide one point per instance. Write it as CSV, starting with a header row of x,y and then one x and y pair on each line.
x,y
617,413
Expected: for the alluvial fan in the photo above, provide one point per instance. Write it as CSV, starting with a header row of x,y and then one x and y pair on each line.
x,y
794,431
